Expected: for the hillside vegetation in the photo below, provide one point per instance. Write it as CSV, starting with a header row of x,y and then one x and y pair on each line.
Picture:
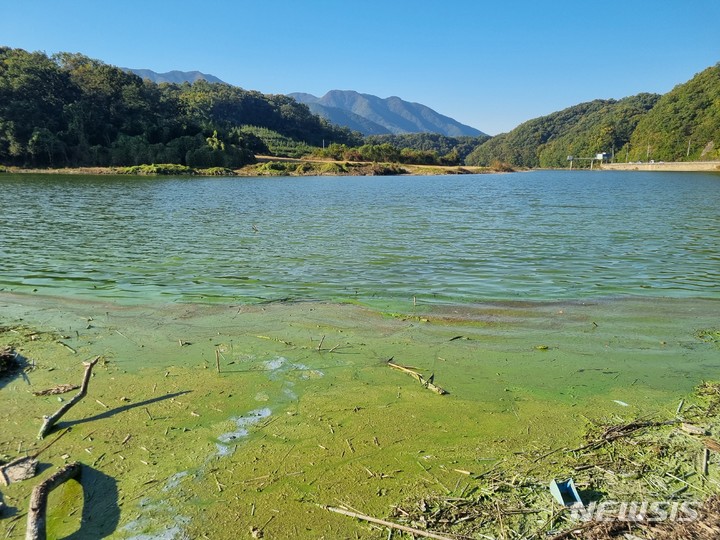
x,y
682,125
582,130
71,110
68,110
450,148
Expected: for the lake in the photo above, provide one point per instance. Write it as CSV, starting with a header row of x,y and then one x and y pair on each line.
x,y
375,240
245,327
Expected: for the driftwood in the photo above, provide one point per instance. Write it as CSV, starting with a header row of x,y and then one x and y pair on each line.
x,y
59,389
18,470
50,421
711,444
427,383
38,500
389,524
23,467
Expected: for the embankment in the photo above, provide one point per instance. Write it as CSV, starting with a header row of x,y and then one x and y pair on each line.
x,y
676,166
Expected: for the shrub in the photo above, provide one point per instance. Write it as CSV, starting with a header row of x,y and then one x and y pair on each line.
x,y
332,168
501,166
161,168
215,171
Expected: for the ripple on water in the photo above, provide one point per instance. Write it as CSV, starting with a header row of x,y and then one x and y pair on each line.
x,y
373,240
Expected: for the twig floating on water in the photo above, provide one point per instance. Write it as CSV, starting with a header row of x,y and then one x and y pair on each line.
x,y
130,340
68,347
427,383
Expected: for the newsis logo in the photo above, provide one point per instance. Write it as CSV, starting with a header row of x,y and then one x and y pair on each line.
x,y
646,512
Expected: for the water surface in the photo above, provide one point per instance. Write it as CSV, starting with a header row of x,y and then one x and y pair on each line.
x,y
379,240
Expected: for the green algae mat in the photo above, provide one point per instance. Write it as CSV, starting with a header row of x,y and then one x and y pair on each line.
x,y
207,421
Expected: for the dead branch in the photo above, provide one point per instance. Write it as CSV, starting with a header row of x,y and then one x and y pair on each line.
x,y
51,420
615,432
427,383
59,389
38,500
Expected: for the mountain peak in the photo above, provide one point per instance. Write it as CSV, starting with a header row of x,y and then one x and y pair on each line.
x,y
372,115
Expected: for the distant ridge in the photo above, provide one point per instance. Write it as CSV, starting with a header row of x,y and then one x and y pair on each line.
x,y
174,76
371,115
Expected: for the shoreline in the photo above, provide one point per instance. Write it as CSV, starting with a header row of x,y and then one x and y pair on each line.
x,y
273,166
290,167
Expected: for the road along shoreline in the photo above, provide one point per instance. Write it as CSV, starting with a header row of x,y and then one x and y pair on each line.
x,y
676,166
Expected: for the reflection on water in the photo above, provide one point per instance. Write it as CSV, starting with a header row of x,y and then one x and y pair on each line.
x,y
540,235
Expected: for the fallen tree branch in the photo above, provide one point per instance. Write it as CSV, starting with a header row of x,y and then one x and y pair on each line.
x,y
390,524
59,389
427,383
50,421
38,500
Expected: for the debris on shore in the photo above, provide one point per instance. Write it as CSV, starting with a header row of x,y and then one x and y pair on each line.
x,y
8,361
426,382
648,477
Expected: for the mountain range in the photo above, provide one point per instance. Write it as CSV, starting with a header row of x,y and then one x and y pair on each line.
x,y
371,115
683,124
176,77
365,113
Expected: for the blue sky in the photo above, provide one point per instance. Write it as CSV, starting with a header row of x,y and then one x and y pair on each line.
x,y
489,64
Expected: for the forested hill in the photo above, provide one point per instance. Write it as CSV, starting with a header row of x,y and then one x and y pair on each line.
x,y
371,115
71,110
682,125
582,130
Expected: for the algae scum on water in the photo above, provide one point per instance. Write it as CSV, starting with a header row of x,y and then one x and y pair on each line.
x,y
250,421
